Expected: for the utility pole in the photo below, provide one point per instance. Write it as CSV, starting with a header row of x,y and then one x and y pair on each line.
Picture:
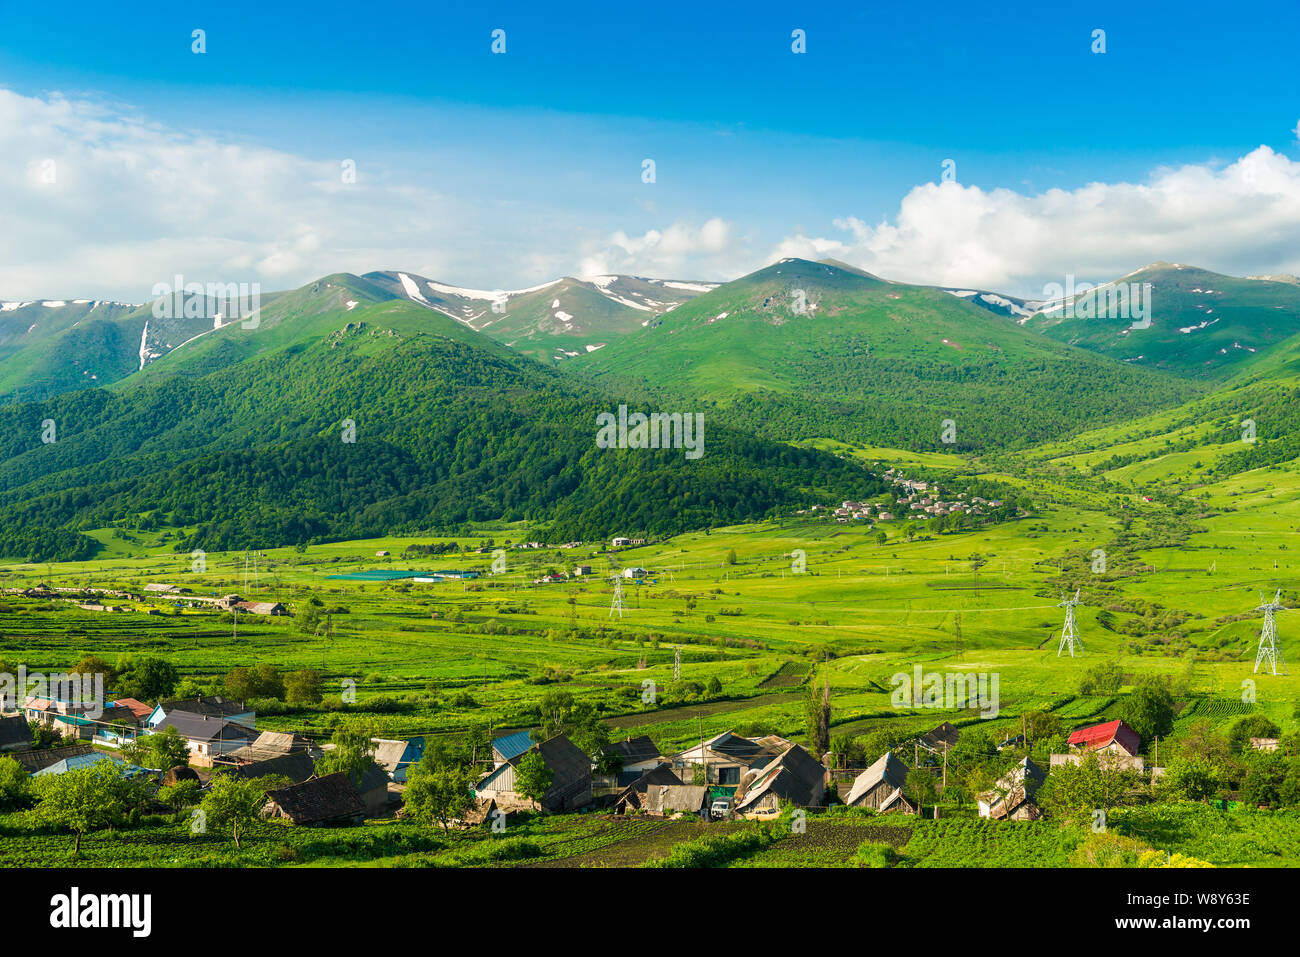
x,y
703,757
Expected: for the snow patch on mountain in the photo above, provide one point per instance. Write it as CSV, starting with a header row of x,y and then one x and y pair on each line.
x,y
410,287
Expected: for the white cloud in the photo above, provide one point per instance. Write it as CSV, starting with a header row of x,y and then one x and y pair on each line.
x,y
1240,218
109,203
132,203
674,251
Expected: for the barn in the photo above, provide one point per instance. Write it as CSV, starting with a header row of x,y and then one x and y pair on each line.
x,y
794,778
880,787
332,799
1012,798
570,787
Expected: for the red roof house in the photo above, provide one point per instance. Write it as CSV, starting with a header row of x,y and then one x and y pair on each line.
x,y
138,708
1111,736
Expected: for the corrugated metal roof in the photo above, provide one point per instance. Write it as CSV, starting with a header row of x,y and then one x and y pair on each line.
x,y
512,745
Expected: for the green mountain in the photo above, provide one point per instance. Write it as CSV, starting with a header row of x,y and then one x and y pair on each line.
x,y
1202,324
240,437
802,349
555,321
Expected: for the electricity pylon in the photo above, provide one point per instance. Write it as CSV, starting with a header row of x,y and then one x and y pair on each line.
x,y
1070,633
617,604
1269,653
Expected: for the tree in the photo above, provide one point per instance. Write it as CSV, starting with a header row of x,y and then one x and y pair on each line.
x,y
874,745
1189,779
15,784
731,557
1149,710
1073,792
270,683
308,618
532,777
43,736
1265,779
817,706
919,787
1251,726
239,683
303,687
177,797
1103,678
713,687
352,754
162,750
608,763
87,799
262,681
1200,740
148,679
440,794
232,801
93,665
1041,725
556,709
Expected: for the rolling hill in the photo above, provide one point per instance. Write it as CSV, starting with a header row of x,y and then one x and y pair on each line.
x,y
802,349
1203,324
240,439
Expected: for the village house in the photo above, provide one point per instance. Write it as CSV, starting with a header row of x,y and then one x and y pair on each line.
x,y
15,733
207,738
273,744
571,776
1114,736
373,788
35,759
727,756
138,709
670,800
880,787
396,756
1115,743
940,739
1012,797
214,706
88,758
632,797
332,799
262,607
297,766
794,778
581,570
509,747
638,755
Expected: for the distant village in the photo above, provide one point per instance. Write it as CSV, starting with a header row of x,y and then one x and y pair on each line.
x,y
916,499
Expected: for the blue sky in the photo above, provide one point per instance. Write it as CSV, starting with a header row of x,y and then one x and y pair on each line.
x,y
521,165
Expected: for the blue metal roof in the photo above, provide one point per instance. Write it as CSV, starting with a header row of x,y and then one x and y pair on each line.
x,y
85,760
512,745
